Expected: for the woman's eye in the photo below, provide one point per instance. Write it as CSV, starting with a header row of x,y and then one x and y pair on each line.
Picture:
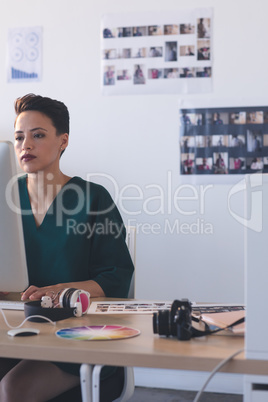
x,y
18,138
38,135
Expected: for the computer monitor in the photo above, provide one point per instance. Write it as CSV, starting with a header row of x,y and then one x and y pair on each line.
x,y
13,267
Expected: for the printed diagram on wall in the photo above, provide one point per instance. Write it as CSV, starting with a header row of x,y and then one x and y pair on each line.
x,y
157,52
24,54
224,140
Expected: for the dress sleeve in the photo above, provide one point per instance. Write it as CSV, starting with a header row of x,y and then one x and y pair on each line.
x,y
110,263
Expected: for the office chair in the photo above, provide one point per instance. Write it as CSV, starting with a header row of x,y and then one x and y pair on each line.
x,y
87,374
131,244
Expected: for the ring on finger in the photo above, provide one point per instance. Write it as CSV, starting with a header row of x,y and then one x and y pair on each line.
x,y
51,294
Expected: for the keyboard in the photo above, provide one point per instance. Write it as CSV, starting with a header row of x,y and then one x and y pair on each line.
x,y
11,305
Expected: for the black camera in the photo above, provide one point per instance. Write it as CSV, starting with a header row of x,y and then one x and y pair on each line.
x,y
174,322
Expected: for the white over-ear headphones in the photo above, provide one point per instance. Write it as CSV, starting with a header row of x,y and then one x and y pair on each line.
x,y
75,299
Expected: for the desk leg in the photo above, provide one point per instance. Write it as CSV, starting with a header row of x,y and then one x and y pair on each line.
x,y
86,382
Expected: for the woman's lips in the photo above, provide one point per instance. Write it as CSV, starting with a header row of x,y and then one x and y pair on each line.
x,y
27,157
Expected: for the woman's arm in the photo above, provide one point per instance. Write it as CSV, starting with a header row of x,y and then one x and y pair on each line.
x,y
35,293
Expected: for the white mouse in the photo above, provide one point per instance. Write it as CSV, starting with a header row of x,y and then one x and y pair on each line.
x,y
23,332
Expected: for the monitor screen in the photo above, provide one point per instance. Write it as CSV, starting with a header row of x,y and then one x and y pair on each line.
x,y
13,267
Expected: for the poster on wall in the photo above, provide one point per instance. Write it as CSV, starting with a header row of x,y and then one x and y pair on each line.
x,y
167,52
24,61
224,141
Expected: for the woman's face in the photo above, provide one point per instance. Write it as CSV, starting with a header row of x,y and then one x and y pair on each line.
x,y
37,146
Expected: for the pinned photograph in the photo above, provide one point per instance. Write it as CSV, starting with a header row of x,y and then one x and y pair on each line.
x,y
155,73
265,140
238,118
254,141
139,76
187,142
171,51
200,141
203,50
203,164
203,72
187,72
171,73
187,29
124,53
255,164
123,75
187,162
109,54
218,118
139,52
124,32
188,50
265,116
208,141
171,29
140,31
255,117
109,75
220,140
155,30
237,163
220,163
203,27
188,118
109,33
236,140
265,163
155,51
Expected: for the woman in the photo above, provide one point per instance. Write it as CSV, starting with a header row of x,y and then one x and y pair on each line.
x,y
74,238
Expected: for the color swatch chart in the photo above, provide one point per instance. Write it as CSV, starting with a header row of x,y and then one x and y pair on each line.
x,y
97,333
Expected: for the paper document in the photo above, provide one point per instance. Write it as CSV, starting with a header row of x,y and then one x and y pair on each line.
x,y
128,307
222,320
149,307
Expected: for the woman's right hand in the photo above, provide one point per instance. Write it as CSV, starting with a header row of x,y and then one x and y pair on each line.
x,y
36,293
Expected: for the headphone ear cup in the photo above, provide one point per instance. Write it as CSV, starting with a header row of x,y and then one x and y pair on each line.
x,y
46,302
73,298
84,299
66,297
78,309
62,298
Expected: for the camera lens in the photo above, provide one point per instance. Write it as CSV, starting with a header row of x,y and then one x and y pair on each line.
x,y
176,322
161,323
155,323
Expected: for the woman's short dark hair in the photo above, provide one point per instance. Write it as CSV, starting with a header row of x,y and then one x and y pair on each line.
x,y
55,110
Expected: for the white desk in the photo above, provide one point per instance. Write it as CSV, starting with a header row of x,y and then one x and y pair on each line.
x,y
145,350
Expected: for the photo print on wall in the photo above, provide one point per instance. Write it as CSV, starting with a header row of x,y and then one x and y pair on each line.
x,y
224,141
24,57
152,53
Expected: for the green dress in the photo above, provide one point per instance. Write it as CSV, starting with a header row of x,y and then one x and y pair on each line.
x,y
82,237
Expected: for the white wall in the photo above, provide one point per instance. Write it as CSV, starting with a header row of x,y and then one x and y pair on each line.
x,y
134,139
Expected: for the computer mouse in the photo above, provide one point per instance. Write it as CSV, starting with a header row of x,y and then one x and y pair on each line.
x,y
23,332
